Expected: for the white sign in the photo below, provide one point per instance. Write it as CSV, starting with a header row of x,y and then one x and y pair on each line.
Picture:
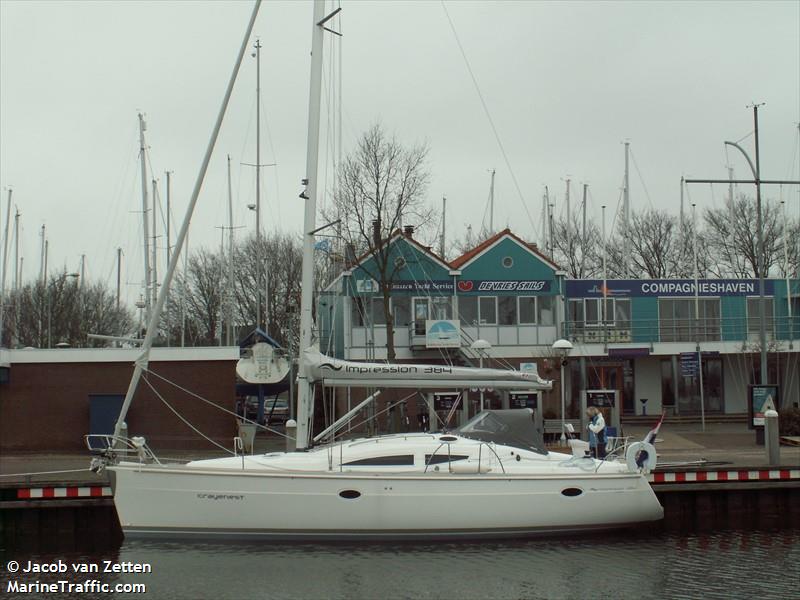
x,y
442,334
366,286
529,367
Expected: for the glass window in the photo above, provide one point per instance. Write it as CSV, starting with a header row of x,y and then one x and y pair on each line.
x,y
357,315
378,313
592,311
527,310
401,309
622,313
545,310
667,384
576,311
488,308
402,459
507,310
442,307
609,314
468,309
753,315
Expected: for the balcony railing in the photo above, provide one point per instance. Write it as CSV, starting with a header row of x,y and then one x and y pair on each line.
x,y
732,329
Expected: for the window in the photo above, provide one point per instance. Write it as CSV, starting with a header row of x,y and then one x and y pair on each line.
x,y
403,460
358,317
508,262
401,310
545,311
527,310
753,315
468,309
622,313
592,311
677,319
576,311
436,459
488,310
442,307
507,310
378,312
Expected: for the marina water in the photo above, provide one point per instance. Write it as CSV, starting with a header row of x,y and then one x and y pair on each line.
x,y
723,564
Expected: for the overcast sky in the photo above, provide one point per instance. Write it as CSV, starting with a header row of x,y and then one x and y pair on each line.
x,y
565,84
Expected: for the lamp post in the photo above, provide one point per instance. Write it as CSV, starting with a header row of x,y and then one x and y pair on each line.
x,y
562,348
482,346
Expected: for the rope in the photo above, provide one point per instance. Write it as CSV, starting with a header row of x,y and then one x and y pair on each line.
x,y
44,473
217,406
187,423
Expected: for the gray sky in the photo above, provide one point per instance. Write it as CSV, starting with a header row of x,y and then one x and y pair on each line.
x,y
565,84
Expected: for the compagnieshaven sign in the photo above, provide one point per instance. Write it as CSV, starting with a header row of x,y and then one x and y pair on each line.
x,y
665,287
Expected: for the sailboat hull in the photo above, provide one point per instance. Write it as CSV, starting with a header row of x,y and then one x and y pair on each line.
x,y
176,501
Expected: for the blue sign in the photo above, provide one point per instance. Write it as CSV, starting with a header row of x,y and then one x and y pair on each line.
x,y
689,364
637,288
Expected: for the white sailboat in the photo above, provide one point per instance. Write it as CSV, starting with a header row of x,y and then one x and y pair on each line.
x,y
491,477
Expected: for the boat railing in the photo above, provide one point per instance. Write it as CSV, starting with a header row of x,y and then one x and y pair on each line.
x,y
115,447
429,461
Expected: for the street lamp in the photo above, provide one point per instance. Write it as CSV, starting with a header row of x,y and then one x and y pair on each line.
x,y
482,346
562,349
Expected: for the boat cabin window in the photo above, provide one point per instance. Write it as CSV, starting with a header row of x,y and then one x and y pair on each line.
x,y
384,461
436,459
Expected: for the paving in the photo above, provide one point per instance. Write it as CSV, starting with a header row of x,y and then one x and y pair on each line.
x,y
721,444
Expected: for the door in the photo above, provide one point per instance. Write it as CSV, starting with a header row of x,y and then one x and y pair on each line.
x,y
422,313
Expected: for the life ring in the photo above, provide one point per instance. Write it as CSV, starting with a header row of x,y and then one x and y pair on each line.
x,y
641,456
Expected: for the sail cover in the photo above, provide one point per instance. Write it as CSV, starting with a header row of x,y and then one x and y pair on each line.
x,y
334,372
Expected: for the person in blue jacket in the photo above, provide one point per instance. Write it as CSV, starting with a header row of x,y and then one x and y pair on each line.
x,y
597,432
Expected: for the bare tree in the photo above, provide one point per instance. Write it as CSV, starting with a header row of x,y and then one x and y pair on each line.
x,y
579,254
63,311
382,187
735,246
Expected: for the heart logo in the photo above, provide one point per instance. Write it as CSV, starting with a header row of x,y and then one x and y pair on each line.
x,y
465,286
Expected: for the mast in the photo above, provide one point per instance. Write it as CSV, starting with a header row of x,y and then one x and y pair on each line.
x,y
697,319
444,215
16,251
762,331
154,266
257,46
169,253
119,274
583,230
229,337
41,257
605,276
732,214
144,357
145,226
491,204
305,400
5,265
626,209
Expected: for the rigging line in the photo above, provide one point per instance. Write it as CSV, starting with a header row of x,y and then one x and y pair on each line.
x,y
491,122
745,137
217,406
186,422
377,414
641,179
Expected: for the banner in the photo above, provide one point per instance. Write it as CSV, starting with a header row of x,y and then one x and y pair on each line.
x,y
637,288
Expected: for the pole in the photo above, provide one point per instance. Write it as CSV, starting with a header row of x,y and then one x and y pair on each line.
x,y
583,231
731,215
258,182
480,359
444,216
145,225
229,337
119,274
83,270
762,332
605,285
790,329
5,265
626,207
16,251
46,254
169,253
41,256
154,266
144,358
305,400
697,319
491,204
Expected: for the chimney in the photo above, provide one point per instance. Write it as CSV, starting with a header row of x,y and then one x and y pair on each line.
x,y
408,230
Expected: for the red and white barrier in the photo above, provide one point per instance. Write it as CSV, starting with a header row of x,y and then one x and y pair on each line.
x,y
726,475
65,492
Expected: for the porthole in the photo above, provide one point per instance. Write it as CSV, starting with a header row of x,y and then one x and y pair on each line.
x,y
508,262
349,494
571,492
448,438
399,262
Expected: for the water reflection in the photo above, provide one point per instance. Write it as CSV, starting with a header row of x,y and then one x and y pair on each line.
x,y
715,565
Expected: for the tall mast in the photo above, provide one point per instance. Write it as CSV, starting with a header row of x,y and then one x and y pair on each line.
x,y
154,266
444,216
41,257
258,185
626,209
697,319
583,230
169,252
762,330
5,265
605,275
731,215
144,357
491,204
305,400
16,251
145,225
229,337
119,274
681,210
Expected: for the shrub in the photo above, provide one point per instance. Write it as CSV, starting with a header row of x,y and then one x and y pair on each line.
x,y
789,419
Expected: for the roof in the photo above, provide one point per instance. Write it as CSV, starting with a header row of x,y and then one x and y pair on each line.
x,y
398,234
482,247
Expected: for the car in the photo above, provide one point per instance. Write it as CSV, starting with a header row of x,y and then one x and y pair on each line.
x,y
276,410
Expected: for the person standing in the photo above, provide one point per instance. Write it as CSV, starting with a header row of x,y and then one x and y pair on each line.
x,y
597,432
